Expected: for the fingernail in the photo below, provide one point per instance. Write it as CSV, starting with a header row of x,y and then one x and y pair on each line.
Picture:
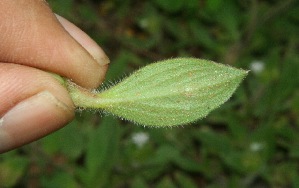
x,y
31,119
98,54
86,42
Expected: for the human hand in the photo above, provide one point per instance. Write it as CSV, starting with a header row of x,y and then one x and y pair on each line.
x,y
33,42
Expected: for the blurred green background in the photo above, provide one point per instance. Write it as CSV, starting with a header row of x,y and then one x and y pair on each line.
x,y
250,141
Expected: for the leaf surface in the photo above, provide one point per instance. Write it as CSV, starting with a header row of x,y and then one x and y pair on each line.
x,y
171,92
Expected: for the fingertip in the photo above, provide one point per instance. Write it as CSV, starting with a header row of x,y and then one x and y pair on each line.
x,y
85,41
48,44
97,74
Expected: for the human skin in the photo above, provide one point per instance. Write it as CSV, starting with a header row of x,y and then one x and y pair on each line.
x,y
33,42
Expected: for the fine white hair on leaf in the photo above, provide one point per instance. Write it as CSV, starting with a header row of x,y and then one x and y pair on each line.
x,y
166,93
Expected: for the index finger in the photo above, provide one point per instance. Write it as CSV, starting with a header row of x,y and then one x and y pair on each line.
x,y
32,36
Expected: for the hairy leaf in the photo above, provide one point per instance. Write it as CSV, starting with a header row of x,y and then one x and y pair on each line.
x,y
170,92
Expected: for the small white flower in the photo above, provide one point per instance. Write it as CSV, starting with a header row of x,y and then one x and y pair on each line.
x,y
257,66
140,138
256,146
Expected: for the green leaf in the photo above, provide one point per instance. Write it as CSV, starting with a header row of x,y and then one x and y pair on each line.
x,y
166,182
184,180
170,5
12,169
59,179
171,92
101,155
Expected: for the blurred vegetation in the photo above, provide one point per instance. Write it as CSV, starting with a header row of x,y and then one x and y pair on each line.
x,y
250,141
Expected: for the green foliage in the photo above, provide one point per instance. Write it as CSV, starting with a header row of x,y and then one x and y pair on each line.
x,y
12,169
165,93
251,141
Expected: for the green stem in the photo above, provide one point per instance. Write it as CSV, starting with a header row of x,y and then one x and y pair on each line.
x,y
84,98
